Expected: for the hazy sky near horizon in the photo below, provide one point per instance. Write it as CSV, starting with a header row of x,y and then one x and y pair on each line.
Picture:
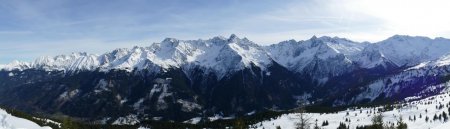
x,y
31,28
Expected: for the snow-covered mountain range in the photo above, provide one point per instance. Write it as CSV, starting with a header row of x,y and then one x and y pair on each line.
x,y
331,55
219,55
226,77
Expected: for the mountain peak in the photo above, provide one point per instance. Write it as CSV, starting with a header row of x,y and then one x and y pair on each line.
x,y
398,37
219,38
316,41
233,38
314,37
407,37
170,40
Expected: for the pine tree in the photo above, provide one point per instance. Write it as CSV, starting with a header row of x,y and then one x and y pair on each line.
x,y
316,126
342,126
325,123
444,115
401,124
377,121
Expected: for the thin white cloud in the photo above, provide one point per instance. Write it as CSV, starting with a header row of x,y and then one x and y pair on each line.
x,y
15,32
50,27
361,20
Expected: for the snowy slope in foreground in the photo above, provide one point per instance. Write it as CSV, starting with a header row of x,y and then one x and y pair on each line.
x,y
7,121
425,108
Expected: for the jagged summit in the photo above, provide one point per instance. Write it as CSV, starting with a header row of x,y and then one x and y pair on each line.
x,y
314,37
171,41
233,38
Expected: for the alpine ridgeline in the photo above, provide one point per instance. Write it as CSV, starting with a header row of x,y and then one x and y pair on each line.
x,y
181,79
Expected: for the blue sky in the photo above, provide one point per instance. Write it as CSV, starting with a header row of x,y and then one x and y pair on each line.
x,y
30,28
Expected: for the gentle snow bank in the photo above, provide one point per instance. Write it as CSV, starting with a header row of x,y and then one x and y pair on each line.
x,y
8,121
